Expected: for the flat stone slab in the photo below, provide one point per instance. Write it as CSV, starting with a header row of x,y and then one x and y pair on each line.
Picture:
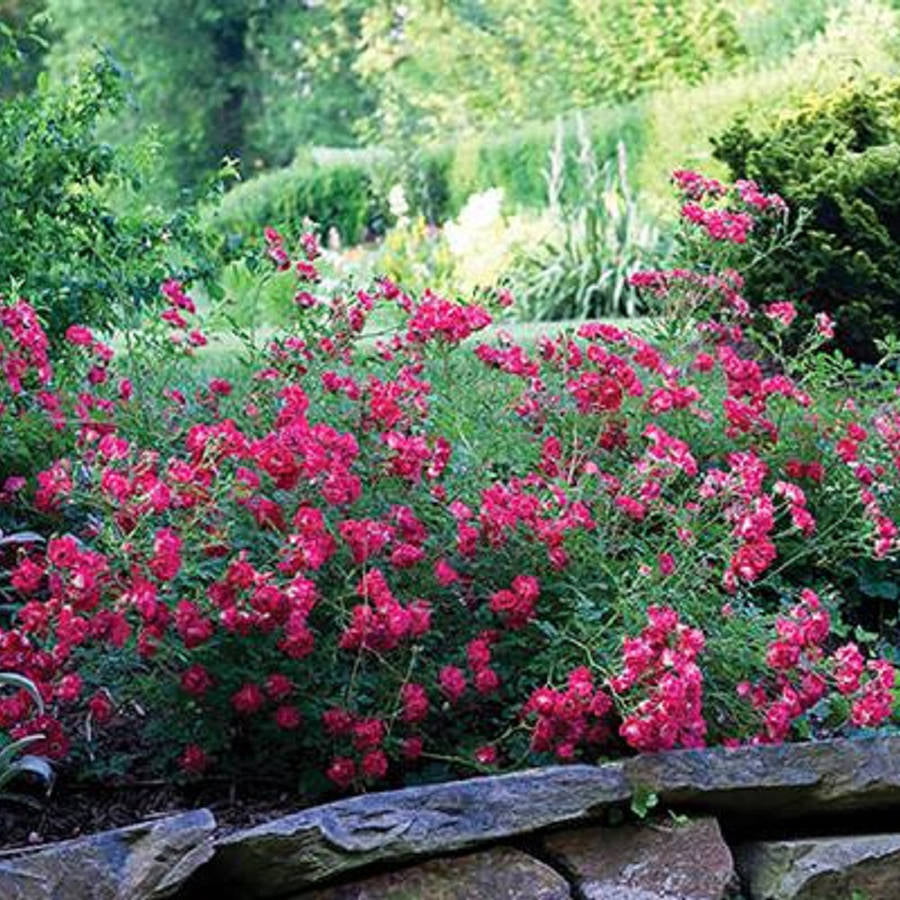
x,y
833,868
325,842
501,872
687,861
787,781
148,861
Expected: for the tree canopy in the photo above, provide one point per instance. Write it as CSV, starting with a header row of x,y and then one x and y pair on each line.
x,y
258,79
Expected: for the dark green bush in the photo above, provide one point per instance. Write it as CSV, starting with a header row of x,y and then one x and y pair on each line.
x,y
69,241
837,157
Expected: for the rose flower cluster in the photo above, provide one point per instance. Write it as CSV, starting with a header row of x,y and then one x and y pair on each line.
x,y
371,557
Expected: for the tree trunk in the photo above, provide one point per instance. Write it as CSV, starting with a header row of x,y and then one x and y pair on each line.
x,y
230,43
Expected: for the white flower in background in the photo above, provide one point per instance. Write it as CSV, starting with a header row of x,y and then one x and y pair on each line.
x,y
476,220
482,240
397,203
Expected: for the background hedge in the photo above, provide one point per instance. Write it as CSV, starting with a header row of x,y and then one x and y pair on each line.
x,y
347,189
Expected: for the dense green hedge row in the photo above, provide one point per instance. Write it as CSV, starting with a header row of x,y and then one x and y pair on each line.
x,y
666,129
347,189
336,188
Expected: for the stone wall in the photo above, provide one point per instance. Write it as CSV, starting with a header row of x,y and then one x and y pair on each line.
x,y
798,821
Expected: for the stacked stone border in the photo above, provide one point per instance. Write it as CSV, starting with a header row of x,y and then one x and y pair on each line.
x,y
815,820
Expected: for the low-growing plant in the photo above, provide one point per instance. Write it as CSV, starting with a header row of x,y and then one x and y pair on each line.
x,y
374,562
415,254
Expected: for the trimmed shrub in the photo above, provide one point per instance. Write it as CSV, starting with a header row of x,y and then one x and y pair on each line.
x,y
347,189
333,187
837,157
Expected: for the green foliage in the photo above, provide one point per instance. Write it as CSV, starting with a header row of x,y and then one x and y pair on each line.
x,y
23,33
334,188
347,189
65,240
14,762
859,39
543,57
772,29
257,80
416,255
249,298
583,273
643,801
225,77
837,156
517,160
305,88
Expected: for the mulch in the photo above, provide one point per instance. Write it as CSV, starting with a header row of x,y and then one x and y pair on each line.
x,y
78,804
73,809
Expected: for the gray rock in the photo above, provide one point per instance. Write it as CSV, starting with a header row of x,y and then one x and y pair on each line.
x,y
834,868
501,872
787,781
670,861
297,851
142,862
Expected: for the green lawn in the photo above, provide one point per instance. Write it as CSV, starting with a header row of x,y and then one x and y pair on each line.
x,y
224,350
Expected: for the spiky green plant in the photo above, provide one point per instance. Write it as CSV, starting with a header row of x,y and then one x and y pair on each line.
x,y
581,271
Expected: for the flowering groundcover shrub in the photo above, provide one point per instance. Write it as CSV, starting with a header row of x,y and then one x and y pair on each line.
x,y
370,563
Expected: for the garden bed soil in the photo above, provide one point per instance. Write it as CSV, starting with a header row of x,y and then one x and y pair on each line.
x,y
77,809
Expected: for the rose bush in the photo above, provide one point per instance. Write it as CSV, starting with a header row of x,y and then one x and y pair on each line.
x,y
379,560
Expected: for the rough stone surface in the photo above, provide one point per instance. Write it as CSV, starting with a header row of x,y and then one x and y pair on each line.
x,y
786,781
651,862
142,862
297,851
835,868
498,874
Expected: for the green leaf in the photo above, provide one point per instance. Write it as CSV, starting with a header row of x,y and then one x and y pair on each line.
x,y
12,679
37,766
643,800
882,590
